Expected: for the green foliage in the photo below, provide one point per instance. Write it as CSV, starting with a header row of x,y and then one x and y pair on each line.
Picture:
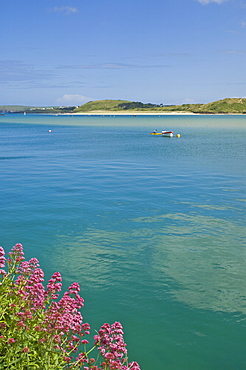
x,y
136,104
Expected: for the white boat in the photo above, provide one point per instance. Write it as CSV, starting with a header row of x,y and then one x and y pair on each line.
x,y
167,133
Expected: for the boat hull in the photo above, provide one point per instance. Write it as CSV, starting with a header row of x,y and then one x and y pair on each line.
x,y
167,133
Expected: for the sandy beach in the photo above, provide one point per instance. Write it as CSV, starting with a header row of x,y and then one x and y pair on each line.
x,y
123,113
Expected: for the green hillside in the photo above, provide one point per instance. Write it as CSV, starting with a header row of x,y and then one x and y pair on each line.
x,y
101,105
229,105
225,106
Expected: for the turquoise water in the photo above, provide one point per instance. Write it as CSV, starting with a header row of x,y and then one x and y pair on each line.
x,y
152,228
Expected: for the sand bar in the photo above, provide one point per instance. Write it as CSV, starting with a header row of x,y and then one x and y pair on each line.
x,y
103,113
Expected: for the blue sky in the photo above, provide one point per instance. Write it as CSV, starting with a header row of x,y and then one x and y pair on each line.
x,y
67,52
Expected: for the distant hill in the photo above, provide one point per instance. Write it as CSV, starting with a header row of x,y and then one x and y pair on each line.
x,y
101,105
225,106
229,105
28,109
14,108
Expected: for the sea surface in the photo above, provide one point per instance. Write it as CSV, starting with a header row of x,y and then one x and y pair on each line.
x,y
153,228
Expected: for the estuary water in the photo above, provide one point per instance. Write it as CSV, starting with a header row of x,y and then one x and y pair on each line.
x,y
152,228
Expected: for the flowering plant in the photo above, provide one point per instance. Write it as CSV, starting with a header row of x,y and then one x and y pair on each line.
x,y
39,331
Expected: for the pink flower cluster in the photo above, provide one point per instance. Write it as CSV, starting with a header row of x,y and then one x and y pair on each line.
x,y
58,320
112,347
63,316
16,253
2,261
49,321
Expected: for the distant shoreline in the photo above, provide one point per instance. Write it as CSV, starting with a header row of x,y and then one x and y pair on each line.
x,y
130,114
103,113
134,114
227,106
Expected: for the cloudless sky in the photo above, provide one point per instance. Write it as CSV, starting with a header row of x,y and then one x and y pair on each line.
x,y
67,52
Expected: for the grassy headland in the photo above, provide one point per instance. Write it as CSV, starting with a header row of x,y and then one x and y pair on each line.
x,y
225,106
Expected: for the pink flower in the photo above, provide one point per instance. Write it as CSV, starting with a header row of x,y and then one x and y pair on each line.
x,y
20,323
11,340
2,258
17,250
25,349
57,338
81,358
109,356
84,341
134,366
74,288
